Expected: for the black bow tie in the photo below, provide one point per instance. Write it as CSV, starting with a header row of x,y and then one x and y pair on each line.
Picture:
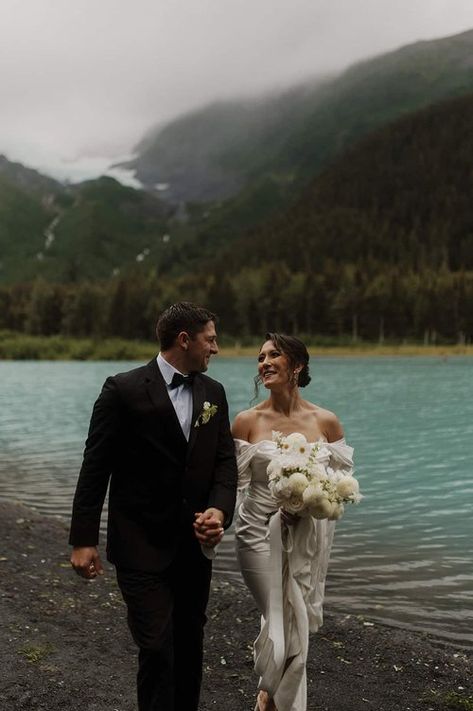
x,y
179,379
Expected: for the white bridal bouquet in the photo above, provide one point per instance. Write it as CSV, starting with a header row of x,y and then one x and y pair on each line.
x,y
301,485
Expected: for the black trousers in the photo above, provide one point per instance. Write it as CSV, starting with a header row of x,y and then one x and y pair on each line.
x,y
166,617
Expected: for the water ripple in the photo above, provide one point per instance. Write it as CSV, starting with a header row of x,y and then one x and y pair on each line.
x,y
403,556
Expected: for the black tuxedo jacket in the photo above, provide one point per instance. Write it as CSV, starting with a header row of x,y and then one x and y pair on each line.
x,y
158,480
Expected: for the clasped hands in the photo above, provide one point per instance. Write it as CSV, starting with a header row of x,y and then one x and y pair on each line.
x,y
208,527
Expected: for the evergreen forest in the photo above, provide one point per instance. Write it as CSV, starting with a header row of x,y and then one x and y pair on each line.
x,y
372,243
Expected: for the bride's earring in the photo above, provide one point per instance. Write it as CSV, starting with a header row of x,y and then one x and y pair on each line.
x,y
295,378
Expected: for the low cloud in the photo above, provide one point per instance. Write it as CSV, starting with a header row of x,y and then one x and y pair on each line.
x,y
81,82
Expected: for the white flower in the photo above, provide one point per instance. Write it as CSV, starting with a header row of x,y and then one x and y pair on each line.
x,y
294,504
303,483
292,460
317,473
282,488
312,494
295,438
297,443
321,508
347,487
298,482
208,411
337,512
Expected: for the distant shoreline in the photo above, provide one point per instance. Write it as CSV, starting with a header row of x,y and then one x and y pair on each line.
x,y
366,350
18,346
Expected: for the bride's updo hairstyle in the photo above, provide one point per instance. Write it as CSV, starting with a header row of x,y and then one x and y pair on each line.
x,y
296,353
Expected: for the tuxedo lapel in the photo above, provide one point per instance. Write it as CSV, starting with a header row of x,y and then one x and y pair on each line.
x,y
198,399
158,393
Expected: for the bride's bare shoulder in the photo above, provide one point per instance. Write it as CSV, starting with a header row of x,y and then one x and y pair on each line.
x,y
245,422
327,422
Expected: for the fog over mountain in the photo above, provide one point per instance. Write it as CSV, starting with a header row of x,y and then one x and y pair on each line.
x,y
82,83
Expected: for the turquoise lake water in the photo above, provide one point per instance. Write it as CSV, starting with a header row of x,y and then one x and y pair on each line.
x,y
403,556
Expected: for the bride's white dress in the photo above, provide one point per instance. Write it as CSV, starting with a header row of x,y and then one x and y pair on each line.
x,y
284,568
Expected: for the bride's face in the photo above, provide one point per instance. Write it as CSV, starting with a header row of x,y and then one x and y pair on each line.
x,y
273,366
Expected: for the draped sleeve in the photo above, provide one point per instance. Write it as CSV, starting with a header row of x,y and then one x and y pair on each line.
x,y
316,548
336,457
341,457
245,452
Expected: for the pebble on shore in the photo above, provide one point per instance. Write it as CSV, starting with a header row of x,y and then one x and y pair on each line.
x,y
65,644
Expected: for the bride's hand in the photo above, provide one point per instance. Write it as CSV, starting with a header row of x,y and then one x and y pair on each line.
x,y
208,527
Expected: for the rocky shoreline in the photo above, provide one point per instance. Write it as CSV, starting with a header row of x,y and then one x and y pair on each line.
x,y
65,643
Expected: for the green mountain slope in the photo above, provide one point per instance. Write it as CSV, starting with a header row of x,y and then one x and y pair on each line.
x,y
380,245
210,153
285,140
399,198
87,231
23,219
105,228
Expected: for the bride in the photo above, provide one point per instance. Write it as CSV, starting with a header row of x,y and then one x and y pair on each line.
x,y
283,558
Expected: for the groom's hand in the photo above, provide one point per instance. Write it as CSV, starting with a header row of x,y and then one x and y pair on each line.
x,y
86,561
208,527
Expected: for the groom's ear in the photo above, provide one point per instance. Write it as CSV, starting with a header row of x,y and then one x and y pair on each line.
x,y
183,339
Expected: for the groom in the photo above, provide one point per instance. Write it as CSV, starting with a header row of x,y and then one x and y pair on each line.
x,y
161,434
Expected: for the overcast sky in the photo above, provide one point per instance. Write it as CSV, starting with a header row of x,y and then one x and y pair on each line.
x,y
82,80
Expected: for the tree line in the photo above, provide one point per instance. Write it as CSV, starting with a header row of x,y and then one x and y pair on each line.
x,y
379,247
345,304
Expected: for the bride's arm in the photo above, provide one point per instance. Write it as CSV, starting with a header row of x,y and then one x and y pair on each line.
x,y
241,428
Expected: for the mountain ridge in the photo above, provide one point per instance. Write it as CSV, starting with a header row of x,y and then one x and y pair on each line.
x,y
379,245
323,120
27,178
73,232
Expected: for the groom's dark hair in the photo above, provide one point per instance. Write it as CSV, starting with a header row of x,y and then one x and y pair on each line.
x,y
183,316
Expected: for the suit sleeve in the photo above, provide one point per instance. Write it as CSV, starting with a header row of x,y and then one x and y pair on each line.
x,y
100,448
223,492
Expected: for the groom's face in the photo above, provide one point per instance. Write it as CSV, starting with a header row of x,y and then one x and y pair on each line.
x,y
201,348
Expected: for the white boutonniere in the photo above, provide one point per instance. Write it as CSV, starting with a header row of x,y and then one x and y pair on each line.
x,y
208,411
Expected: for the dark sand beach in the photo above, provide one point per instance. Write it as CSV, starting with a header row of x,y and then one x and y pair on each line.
x,y
65,643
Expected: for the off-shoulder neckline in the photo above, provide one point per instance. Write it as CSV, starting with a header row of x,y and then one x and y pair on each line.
x,y
260,441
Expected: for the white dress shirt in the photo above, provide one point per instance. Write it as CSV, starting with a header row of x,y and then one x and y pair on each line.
x,y
181,397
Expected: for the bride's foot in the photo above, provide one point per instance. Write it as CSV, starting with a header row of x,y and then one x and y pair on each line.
x,y
264,702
